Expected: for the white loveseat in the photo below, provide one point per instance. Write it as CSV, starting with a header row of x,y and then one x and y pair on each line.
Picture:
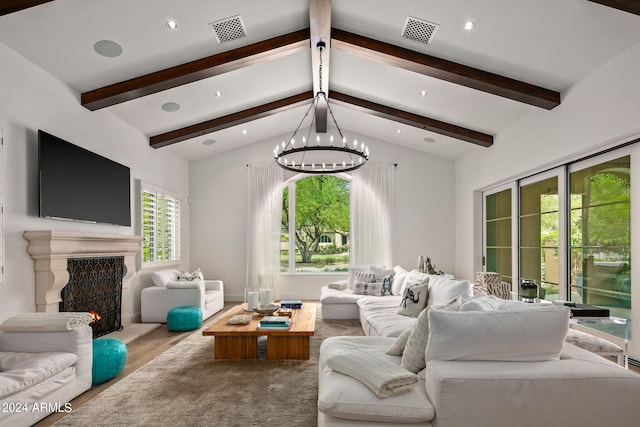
x,y
40,372
483,372
168,292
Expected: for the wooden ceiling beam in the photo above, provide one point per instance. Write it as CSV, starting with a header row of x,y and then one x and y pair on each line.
x,y
11,6
631,6
412,119
443,69
190,72
320,31
233,119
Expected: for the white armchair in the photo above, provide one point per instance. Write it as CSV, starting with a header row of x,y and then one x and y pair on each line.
x,y
165,294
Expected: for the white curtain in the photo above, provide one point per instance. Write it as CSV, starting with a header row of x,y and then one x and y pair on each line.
x,y
371,203
263,227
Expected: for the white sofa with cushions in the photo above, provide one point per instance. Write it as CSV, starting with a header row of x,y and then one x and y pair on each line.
x,y
471,361
171,289
41,371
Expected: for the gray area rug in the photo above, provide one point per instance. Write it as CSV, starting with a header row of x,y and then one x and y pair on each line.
x,y
186,386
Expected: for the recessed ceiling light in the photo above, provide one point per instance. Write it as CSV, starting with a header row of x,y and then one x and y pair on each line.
x,y
170,107
469,25
423,93
429,140
171,24
398,131
244,131
218,93
108,48
208,142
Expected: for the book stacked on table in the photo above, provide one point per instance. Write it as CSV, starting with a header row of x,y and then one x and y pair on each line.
x,y
291,303
275,323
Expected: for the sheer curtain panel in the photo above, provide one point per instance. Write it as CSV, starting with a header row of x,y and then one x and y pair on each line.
x,y
264,219
371,204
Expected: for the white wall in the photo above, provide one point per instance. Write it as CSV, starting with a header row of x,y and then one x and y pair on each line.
x,y
601,110
423,219
31,99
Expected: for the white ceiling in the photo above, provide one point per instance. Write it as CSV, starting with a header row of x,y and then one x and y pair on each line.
x,y
548,43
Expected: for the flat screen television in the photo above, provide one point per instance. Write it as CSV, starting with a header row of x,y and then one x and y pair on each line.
x,y
78,184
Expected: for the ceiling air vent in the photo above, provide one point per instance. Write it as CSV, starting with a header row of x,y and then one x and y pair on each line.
x,y
419,30
228,29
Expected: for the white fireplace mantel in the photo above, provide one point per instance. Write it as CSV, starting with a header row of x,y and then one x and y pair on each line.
x,y
51,249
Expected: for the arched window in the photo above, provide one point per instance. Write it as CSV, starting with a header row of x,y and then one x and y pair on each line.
x,y
315,209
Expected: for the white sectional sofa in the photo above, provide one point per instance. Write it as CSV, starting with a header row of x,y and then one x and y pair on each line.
x,y
169,292
40,372
489,362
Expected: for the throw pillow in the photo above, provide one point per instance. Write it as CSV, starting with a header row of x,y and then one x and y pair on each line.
x,y
367,288
362,276
397,348
414,299
413,358
185,275
443,290
352,274
505,335
386,284
482,303
412,278
161,277
398,279
339,285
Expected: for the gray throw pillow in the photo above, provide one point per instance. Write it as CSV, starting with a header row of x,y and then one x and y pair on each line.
x,y
397,348
413,355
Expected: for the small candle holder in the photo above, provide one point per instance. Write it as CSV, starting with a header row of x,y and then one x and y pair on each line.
x,y
528,290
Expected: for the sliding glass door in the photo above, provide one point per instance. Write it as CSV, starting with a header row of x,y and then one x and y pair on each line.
x,y
541,231
600,234
498,235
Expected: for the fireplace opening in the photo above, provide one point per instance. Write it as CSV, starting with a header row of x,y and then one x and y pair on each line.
x,y
95,286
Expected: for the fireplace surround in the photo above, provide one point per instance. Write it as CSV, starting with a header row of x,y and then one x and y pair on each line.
x,y
51,250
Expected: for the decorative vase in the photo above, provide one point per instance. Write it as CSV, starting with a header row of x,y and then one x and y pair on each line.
x,y
421,264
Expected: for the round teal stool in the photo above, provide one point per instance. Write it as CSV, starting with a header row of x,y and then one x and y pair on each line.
x,y
109,359
185,318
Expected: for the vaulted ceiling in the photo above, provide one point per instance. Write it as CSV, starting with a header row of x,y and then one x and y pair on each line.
x,y
449,92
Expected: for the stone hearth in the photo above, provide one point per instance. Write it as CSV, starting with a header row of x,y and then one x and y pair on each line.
x,y
50,251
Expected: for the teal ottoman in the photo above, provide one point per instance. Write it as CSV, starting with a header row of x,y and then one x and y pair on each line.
x,y
109,359
185,318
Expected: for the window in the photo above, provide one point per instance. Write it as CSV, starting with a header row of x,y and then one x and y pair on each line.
x,y
315,224
160,225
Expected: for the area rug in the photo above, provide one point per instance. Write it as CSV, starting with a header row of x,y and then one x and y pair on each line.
x,y
185,385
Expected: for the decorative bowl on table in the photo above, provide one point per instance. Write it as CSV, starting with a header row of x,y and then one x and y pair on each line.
x,y
266,309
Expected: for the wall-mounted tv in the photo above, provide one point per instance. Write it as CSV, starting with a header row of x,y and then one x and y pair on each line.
x,y
78,184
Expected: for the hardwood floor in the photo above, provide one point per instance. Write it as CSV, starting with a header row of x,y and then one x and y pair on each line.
x,y
140,351
144,349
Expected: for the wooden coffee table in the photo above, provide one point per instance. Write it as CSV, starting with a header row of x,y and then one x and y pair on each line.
x,y
241,341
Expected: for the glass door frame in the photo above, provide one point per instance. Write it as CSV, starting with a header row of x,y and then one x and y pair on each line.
x,y
563,250
513,186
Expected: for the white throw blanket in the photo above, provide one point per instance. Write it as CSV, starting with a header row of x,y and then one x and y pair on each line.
x,y
381,375
30,322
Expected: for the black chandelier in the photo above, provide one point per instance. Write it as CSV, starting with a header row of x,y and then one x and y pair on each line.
x,y
320,153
